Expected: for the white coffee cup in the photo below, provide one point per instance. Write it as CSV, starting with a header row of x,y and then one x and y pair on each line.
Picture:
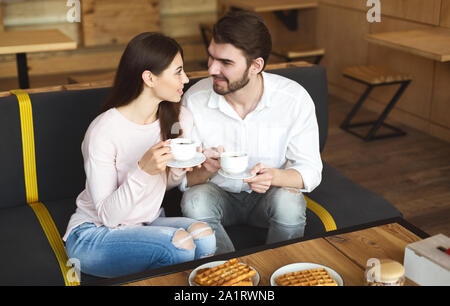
x,y
234,162
183,148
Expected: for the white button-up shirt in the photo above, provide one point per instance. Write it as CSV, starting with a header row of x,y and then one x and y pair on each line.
x,y
282,131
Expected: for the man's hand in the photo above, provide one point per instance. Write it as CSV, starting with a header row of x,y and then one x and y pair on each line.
x,y
208,168
212,162
263,179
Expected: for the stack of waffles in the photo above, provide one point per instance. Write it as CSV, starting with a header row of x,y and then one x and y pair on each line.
x,y
311,277
230,273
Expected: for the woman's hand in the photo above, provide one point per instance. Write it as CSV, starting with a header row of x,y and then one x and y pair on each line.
x,y
155,160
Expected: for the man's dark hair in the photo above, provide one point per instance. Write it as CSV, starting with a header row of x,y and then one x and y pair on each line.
x,y
245,31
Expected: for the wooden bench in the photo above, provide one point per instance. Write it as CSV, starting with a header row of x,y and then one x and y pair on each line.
x,y
373,76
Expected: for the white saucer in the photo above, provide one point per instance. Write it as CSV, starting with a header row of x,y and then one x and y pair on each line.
x,y
238,176
304,266
195,161
255,278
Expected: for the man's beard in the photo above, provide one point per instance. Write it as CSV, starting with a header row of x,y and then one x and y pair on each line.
x,y
232,87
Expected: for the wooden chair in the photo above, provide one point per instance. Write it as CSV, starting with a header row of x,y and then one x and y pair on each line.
x,y
375,76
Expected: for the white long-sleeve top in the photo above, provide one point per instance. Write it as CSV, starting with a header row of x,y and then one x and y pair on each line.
x,y
282,132
118,192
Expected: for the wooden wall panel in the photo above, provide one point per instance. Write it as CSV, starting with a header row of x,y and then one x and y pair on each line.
x,y
352,4
180,19
185,7
417,98
108,22
185,25
1,16
341,32
306,32
425,11
445,13
440,113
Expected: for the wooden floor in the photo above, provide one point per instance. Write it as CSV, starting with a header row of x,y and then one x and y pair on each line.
x,y
412,171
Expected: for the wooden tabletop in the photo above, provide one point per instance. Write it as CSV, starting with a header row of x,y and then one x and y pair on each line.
x,y
347,254
269,5
34,41
431,43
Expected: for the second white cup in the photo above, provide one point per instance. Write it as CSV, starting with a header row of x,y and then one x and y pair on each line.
x,y
234,162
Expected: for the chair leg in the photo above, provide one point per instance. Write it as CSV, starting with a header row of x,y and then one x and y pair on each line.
x,y
380,121
346,123
318,59
385,113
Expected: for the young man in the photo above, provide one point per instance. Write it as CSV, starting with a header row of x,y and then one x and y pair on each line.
x,y
269,117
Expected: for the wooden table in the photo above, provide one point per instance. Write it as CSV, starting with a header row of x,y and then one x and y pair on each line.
x,y
346,253
23,42
277,7
429,43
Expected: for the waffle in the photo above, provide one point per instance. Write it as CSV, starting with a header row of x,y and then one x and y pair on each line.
x,y
230,273
245,282
311,277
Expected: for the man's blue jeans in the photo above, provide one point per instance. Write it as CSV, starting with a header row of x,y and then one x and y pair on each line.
x,y
107,252
281,210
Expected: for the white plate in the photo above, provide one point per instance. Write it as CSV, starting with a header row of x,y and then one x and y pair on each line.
x,y
255,278
195,161
239,176
304,266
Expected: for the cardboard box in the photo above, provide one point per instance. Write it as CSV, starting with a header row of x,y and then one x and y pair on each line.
x,y
425,264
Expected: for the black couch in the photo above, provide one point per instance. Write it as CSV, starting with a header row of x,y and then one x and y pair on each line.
x,y
60,120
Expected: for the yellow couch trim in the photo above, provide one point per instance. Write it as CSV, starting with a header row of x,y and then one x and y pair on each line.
x,y
29,162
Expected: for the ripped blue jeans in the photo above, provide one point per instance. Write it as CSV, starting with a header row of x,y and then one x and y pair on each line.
x,y
107,252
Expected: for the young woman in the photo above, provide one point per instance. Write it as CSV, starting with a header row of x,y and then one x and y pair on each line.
x,y
118,227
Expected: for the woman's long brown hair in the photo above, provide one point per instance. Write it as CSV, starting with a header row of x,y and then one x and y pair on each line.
x,y
147,51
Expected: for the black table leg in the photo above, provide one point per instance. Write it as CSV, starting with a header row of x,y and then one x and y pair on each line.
x,y
22,70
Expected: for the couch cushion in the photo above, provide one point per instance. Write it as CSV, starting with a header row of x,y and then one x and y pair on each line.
x,y
61,211
348,202
12,181
60,122
26,255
